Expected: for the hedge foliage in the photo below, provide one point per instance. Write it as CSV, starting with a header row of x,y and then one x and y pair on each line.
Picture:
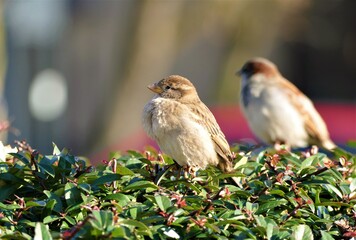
x,y
280,195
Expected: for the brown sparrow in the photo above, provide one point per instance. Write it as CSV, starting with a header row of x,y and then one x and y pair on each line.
x,y
277,111
183,126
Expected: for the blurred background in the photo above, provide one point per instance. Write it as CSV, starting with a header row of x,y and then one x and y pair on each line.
x,y
75,72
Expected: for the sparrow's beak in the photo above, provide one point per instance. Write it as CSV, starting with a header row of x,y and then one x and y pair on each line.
x,y
155,88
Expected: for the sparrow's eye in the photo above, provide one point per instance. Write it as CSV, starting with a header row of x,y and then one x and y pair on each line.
x,y
167,87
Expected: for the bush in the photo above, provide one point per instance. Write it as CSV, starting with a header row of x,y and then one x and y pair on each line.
x,y
280,195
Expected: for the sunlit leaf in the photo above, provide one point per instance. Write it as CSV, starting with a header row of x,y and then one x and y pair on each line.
x,y
270,205
72,194
141,185
19,156
353,185
123,170
102,219
302,232
42,232
47,168
307,199
134,223
310,161
122,199
296,199
171,233
50,218
326,236
163,202
334,204
333,189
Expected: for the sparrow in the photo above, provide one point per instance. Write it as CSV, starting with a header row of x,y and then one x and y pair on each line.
x,y
183,126
277,111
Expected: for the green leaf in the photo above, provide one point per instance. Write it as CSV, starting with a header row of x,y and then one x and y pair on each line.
x,y
141,185
277,192
119,233
271,205
122,199
326,236
9,206
8,190
42,232
323,212
44,167
134,223
163,202
135,211
337,176
213,227
302,232
35,204
72,194
250,165
228,175
353,185
334,204
115,154
107,178
11,178
307,199
85,187
310,161
146,161
253,207
306,170
78,198
293,159
314,182
56,150
124,171
50,218
102,219
70,220
317,195
171,233
270,230
58,202
260,220
333,189
22,158
49,207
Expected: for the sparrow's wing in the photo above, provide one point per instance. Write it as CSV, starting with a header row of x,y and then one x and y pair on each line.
x,y
314,123
204,117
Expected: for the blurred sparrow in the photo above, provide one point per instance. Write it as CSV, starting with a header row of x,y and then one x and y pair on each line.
x,y
277,111
184,127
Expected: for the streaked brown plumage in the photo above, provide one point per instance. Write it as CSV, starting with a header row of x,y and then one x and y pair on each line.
x,y
184,127
276,110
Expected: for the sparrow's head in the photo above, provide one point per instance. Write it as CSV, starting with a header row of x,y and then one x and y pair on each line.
x,y
174,87
258,66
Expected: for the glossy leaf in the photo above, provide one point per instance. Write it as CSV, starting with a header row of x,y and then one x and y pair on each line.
x,y
140,185
280,195
163,202
302,232
107,179
42,232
